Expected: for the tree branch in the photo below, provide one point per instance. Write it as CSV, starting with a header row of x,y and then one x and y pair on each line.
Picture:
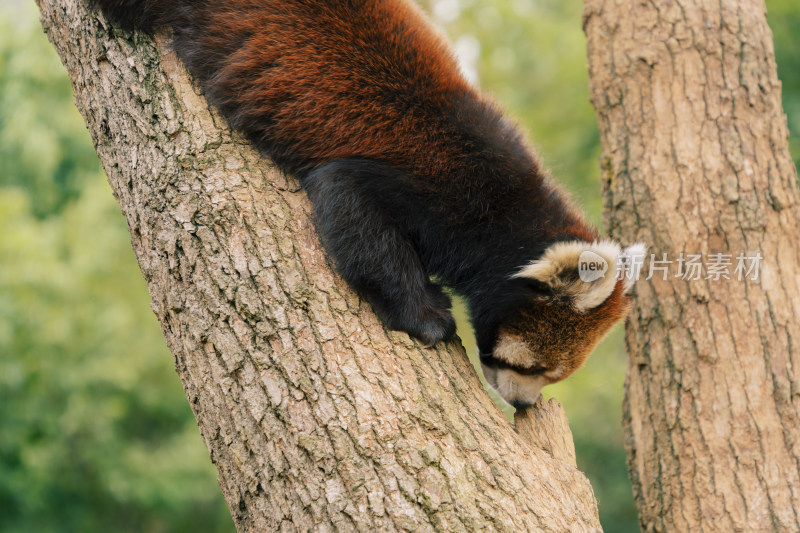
x,y
696,161
315,415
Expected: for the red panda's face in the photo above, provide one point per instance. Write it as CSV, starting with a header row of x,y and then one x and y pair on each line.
x,y
549,337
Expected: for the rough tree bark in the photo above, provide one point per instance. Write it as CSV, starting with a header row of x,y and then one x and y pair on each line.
x,y
316,417
696,160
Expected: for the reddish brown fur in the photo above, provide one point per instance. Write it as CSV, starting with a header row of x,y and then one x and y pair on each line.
x,y
413,173
314,82
325,74
562,337
319,67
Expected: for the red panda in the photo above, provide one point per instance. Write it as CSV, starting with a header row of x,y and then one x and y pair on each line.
x,y
413,173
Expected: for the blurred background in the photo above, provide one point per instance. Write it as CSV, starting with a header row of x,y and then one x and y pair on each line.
x,y
95,432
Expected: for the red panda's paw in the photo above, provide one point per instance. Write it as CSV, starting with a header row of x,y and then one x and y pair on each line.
x,y
433,326
434,322
423,312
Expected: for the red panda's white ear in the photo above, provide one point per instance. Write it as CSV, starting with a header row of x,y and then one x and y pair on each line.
x,y
584,272
632,259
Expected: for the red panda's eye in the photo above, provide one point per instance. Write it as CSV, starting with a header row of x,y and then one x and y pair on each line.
x,y
537,287
535,371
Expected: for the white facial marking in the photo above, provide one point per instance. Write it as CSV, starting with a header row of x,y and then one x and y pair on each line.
x,y
513,350
554,374
518,388
514,387
490,373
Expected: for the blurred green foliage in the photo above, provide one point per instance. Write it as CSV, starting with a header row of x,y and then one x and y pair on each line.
x,y
96,433
783,17
43,149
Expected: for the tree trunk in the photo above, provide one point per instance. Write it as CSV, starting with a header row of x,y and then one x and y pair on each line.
x,y
316,417
696,161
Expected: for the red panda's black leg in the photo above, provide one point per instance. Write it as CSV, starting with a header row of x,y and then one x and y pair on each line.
x,y
372,252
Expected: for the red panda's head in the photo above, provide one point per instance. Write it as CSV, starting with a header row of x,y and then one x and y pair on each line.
x,y
550,334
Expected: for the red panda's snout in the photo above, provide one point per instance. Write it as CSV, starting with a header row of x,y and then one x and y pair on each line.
x,y
549,337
